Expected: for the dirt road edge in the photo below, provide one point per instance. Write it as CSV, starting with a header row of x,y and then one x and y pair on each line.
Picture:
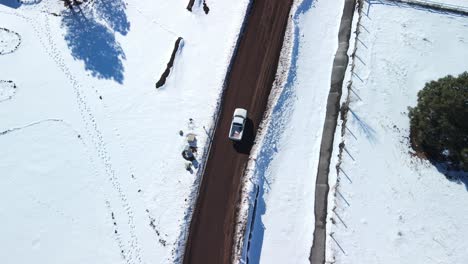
x,y
249,187
183,236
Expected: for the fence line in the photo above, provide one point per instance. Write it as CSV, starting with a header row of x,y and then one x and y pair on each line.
x,y
436,5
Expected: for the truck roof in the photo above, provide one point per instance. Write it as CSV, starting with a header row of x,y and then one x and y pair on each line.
x,y
238,120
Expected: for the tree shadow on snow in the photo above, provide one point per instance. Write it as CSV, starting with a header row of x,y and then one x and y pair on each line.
x,y
11,3
301,9
90,35
456,176
365,128
113,13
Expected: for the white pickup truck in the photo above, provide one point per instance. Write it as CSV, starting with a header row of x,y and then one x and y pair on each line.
x,y
238,124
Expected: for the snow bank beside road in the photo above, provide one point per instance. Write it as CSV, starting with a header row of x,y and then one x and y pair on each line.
x,y
287,149
390,206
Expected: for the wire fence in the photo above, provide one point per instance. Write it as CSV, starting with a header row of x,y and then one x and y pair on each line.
x,y
437,5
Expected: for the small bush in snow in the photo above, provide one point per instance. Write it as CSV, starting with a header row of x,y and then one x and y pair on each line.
x,y
439,122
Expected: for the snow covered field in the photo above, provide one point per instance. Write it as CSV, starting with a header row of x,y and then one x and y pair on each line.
x,y
390,206
287,157
91,153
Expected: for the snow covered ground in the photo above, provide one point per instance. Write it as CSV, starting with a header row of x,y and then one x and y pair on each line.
x,y
392,207
287,157
91,153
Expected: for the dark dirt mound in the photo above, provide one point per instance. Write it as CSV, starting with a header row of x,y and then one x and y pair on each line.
x,y
163,78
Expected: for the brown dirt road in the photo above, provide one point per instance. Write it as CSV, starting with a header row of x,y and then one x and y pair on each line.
x,y
248,86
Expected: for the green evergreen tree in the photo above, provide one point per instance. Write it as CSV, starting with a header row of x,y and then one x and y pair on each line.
x,y
439,122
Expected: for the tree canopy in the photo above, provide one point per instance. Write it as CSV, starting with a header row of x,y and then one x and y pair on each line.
x,y
439,122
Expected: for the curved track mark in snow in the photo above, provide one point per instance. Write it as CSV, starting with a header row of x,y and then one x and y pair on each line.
x,y
9,41
7,90
14,129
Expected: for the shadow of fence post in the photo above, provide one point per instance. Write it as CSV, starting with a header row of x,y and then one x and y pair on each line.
x,y
345,174
354,92
338,244
352,134
341,220
342,197
349,153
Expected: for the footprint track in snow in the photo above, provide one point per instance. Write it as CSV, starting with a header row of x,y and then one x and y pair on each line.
x,y
91,128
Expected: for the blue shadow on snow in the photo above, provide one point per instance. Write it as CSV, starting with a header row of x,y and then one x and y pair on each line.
x,y
456,176
94,42
258,229
113,13
365,128
11,3
272,137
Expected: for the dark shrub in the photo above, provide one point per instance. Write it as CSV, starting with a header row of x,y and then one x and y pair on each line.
x,y
439,122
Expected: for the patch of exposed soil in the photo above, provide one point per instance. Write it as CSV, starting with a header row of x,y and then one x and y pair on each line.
x,y
190,5
205,7
71,3
165,74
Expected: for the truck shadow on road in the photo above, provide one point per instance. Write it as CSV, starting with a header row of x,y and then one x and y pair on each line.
x,y
245,145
